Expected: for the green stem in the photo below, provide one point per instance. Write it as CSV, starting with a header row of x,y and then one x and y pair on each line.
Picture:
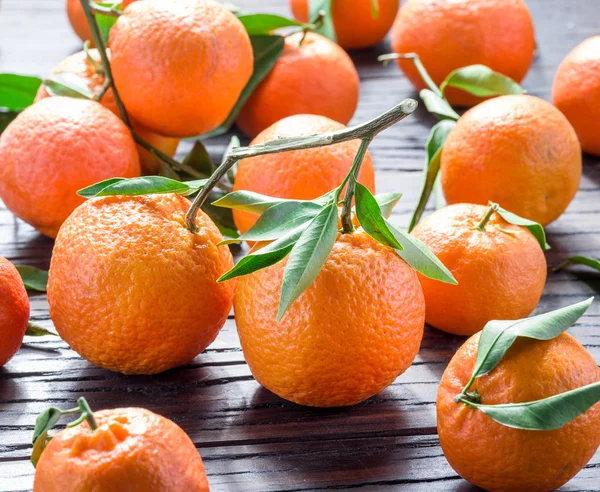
x,y
87,411
100,10
432,86
362,131
90,59
351,180
103,90
486,218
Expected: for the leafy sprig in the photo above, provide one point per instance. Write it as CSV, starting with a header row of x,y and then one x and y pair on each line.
x,y
34,278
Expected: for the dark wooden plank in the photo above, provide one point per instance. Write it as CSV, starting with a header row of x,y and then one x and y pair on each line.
x,y
250,439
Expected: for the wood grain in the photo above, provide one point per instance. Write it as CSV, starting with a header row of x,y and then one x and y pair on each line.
x,y
251,440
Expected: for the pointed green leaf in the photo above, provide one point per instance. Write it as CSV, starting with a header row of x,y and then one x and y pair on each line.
x,y
547,414
260,24
579,260
308,256
499,335
106,22
222,217
248,201
68,84
199,159
370,217
17,91
420,257
387,202
46,421
481,81
438,106
435,143
536,229
33,278
326,28
145,185
93,190
35,330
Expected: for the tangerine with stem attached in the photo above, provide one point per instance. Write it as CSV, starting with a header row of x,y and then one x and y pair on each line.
x,y
450,34
356,25
300,174
132,290
517,151
14,310
500,268
56,147
313,75
576,92
495,457
180,66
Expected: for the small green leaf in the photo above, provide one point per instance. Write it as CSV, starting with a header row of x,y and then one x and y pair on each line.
x,y
46,421
265,257
370,218
387,202
33,278
326,28
222,217
536,229
199,159
499,335
248,201
375,9
308,256
267,50
579,260
420,257
17,91
438,106
69,85
35,330
145,185
38,448
481,81
106,22
260,24
547,414
435,143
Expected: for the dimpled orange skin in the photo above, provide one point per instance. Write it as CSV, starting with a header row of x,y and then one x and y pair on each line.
x,y
14,310
502,459
180,66
355,25
450,34
299,174
500,275
518,151
132,450
55,148
346,338
317,77
132,290
79,65
576,92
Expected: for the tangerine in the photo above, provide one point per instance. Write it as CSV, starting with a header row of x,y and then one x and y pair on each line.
x,y
14,310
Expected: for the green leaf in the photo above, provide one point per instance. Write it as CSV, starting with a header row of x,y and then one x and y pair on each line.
x,y
260,24
375,9
222,217
145,185
33,278
267,50
420,257
498,336
46,421
579,260
248,201
387,202
199,159
481,81
536,229
17,91
280,219
105,22
370,217
435,143
308,256
265,257
326,28
6,117
437,105
547,414
35,330
69,85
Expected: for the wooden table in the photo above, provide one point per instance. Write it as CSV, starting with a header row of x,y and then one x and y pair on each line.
x,y
251,440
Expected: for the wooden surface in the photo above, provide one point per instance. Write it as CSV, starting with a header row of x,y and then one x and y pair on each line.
x,y
251,440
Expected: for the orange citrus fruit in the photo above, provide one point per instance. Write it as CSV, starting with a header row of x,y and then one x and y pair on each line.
x,y
132,450
501,270
125,281
312,77
518,151
53,149
299,174
450,34
356,26
180,66
80,65
495,457
14,310
576,92
346,338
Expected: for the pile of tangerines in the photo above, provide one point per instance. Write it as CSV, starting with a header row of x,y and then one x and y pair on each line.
x,y
331,301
